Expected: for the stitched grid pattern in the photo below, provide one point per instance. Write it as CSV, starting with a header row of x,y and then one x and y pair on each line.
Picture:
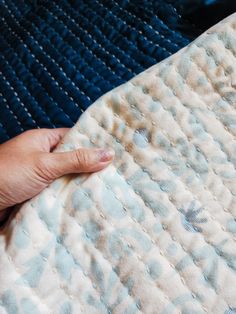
x,y
59,57
155,232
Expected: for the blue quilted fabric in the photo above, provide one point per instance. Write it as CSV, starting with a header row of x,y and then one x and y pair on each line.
x,y
57,58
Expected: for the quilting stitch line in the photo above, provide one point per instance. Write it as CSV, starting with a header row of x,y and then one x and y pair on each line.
x,y
192,258
213,247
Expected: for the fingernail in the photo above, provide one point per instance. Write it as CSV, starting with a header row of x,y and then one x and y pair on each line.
x,y
106,154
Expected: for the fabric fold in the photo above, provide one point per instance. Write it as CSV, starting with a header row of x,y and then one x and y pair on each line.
x,y
154,232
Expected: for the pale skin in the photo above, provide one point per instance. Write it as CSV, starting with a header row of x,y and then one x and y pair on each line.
x,y
27,165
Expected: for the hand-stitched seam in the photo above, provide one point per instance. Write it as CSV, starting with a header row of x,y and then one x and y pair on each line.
x,y
87,48
27,91
125,242
10,259
200,30
170,140
127,58
16,54
133,29
214,140
75,259
10,110
25,87
213,196
13,32
205,72
138,257
79,88
161,21
229,235
206,241
3,130
50,264
43,66
92,36
6,106
225,46
140,31
232,194
213,87
21,82
216,91
16,94
53,60
174,32
44,259
173,147
189,254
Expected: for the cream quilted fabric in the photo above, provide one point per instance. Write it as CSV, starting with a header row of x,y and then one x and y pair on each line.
x,y
156,231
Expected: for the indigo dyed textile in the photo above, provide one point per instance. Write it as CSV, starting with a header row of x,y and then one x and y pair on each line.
x,y
58,57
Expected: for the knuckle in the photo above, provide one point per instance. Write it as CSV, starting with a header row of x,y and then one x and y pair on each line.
x,y
43,169
82,159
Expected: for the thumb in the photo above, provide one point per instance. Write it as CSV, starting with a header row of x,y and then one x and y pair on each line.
x,y
82,160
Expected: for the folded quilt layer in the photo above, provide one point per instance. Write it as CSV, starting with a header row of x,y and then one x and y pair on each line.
x,y
155,232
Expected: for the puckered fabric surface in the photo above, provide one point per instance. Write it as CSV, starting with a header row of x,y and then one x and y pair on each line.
x,y
155,232
58,57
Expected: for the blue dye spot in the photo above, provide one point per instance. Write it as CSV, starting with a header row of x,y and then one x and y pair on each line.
x,y
97,272
183,263
35,268
141,137
63,262
154,106
157,228
231,225
140,238
92,229
21,238
167,186
184,66
116,247
81,200
172,249
158,208
49,214
111,205
155,269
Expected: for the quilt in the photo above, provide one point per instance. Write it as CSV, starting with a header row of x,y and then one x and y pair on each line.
x,y
155,232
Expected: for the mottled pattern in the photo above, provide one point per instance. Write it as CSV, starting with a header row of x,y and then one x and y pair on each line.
x,y
155,232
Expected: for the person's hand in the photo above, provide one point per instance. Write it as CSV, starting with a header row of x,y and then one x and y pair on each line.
x,y
27,164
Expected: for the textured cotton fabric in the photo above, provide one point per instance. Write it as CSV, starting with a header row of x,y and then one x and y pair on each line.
x,y
58,57
154,232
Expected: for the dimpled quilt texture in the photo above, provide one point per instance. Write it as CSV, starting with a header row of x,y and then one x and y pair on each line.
x,y
155,232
